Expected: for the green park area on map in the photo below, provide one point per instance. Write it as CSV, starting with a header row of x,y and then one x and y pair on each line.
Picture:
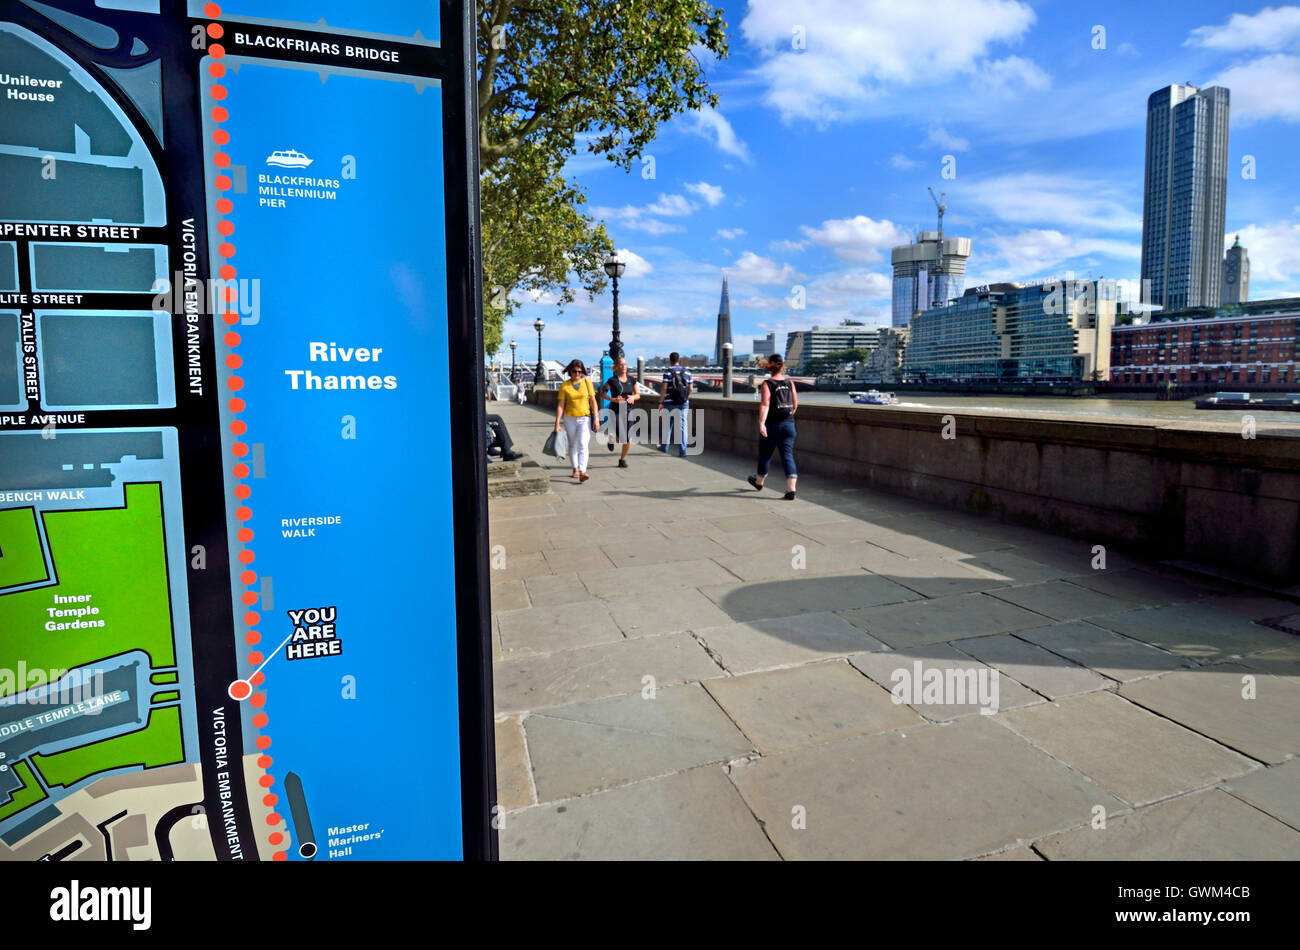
x,y
28,795
116,555
21,559
159,743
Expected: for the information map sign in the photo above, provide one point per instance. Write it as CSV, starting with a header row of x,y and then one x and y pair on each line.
x,y
242,585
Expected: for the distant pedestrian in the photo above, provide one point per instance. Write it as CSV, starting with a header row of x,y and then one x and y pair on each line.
x,y
521,396
776,425
621,392
675,391
580,414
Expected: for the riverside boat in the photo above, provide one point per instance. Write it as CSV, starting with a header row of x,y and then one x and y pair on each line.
x,y
1225,401
874,397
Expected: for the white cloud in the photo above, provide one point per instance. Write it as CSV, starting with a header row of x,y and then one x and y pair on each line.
x,y
711,195
1272,28
858,238
1266,88
1053,201
637,266
670,206
1274,252
647,218
1010,76
1030,253
903,163
939,136
730,234
788,247
857,48
749,268
711,124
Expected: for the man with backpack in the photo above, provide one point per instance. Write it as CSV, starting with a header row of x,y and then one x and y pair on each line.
x,y
676,403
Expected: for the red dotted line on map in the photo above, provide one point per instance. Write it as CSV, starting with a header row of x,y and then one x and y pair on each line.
x,y
240,690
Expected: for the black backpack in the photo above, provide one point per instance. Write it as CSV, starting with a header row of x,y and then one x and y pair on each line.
x,y
782,395
678,389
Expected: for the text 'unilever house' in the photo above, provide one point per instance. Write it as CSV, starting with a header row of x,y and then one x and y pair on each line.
x,y
1016,332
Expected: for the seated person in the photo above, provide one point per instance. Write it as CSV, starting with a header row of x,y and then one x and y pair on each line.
x,y
499,442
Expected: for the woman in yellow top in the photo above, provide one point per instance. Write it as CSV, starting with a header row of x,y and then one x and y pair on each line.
x,y
578,410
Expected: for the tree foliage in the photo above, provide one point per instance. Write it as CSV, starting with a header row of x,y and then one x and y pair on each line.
x,y
552,74
818,365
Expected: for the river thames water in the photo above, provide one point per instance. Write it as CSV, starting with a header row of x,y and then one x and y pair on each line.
x,y
1114,409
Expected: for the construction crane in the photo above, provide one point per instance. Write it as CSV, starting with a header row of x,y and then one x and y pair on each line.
x,y
938,202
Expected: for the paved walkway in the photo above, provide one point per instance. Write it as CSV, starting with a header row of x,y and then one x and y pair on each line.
x,y
686,668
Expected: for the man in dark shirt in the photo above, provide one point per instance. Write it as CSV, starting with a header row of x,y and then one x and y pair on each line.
x,y
675,390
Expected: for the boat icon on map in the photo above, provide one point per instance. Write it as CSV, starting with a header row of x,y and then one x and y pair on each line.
x,y
291,158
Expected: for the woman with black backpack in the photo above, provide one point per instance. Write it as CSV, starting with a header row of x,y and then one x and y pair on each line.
x,y
776,425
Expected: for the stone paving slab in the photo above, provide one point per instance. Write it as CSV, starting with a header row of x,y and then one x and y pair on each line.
x,y
817,702
1042,671
1132,753
1209,700
1139,588
1283,662
558,627
1109,654
1013,567
585,747
1061,600
572,560
884,669
928,576
514,781
695,815
510,595
520,565
936,541
552,590
910,795
624,553
596,672
1275,790
766,644
845,530
801,594
940,619
1204,826
640,615
1196,630
655,578
1258,607
780,563
748,524
1014,854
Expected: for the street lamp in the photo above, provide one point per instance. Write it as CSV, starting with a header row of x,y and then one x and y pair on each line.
x,y
614,268
513,377
539,325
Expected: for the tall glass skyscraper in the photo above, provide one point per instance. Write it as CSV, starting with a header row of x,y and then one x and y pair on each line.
x,y
1185,198
724,324
927,273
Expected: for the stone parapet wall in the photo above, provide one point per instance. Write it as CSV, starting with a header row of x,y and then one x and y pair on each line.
x,y
1188,490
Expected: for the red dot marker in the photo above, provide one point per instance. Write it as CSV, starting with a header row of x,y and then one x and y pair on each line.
x,y
240,690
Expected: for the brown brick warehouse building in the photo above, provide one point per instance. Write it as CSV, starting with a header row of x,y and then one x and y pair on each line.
x,y
1255,344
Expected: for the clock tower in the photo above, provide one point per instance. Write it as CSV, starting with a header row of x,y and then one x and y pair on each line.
x,y
1236,274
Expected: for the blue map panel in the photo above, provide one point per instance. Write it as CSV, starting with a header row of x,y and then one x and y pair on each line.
x,y
352,515
397,18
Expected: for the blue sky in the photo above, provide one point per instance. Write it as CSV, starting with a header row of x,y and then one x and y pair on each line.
x,y
816,160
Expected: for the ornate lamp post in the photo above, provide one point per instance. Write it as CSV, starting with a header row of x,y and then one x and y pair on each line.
x,y
540,379
615,268
513,344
